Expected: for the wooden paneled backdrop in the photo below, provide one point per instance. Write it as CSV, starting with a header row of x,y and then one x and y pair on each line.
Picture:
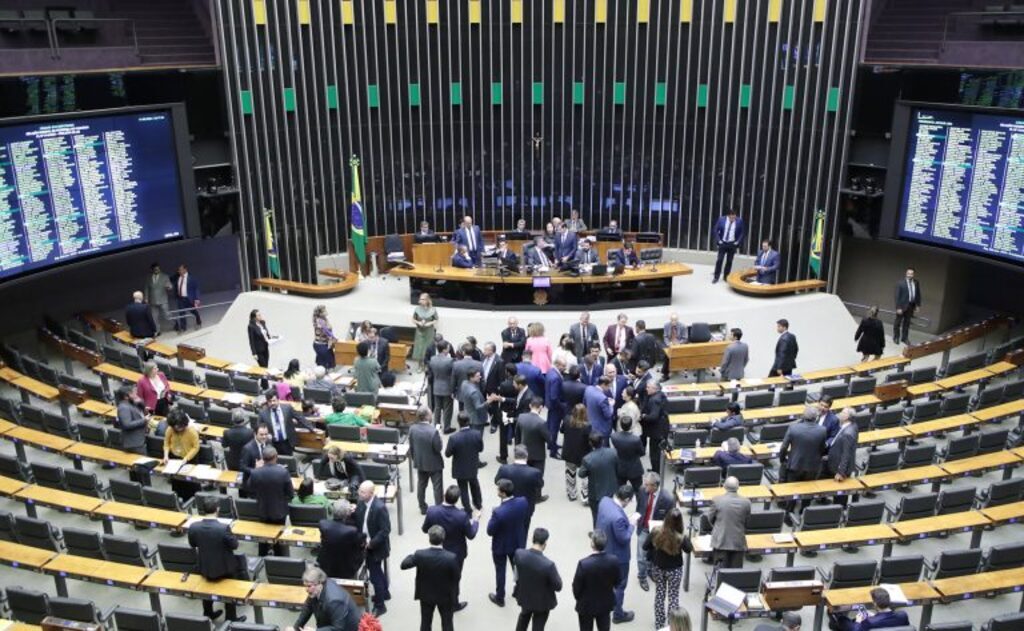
x,y
657,113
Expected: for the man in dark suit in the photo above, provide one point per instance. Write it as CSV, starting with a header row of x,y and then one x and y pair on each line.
x,y
186,290
654,425
908,299
628,451
801,451
425,451
464,448
728,520
638,380
729,231
600,410
507,529
271,487
513,341
514,407
341,543
493,372
586,255
139,319
583,335
506,257
373,519
537,581
652,503
469,235
534,377
236,438
884,616
592,366
532,434
252,453
767,264
842,451
526,481
646,347
281,420
572,389
617,383
618,336
625,256
730,455
594,585
786,349
565,245
599,467
473,403
461,367
459,527
826,417
441,386
437,580
378,348
554,401
328,602
215,547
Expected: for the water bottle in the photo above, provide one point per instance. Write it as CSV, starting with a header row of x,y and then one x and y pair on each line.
x,y
696,447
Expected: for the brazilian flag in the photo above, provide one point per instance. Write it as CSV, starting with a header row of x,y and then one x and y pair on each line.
x,y
817,243
358,235
273,263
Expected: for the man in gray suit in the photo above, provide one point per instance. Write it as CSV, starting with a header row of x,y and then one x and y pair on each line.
x,y
599,467
842,451
472,401
735,357
425,451
532,432
462,366
440,367
584,335
728,516
801,452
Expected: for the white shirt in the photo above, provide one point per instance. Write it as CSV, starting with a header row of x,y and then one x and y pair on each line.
x,y
158,385
620,338
910,289
730,231
182,284
366,517
469,239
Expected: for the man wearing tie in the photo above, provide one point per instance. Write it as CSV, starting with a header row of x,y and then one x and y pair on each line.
x,y
252,454
373,519
506,257
586,255
675,331
379,348
583,335
565,244
600,411
908,299
459,527
462,259
492,374
785,351
616,384
767,264
592,367
187,291
513,341
536,256
618,336
281,420
469,236
555,403
841,458
728,234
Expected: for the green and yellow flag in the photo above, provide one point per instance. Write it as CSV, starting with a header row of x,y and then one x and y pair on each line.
x,y
817,243
358,235
273,263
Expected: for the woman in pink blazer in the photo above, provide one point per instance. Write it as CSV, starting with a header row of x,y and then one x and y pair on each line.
x,y
154,390
539,346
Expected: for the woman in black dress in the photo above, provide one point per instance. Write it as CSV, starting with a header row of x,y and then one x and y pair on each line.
x,y
870,336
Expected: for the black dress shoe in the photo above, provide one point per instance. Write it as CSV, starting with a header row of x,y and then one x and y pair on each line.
x,y
238,619
542,498
462,605
379,610
481,465
494,430
627,616
497,601
449,430
502,460
215,615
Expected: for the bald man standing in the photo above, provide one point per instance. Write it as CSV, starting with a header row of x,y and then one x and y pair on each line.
x,y
139,319
728,517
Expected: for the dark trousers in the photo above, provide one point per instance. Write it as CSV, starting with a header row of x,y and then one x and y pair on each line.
x,y
594,501
620,588
636,483
728,558
537,464
324,355
283,447
443,411
553,426
654,453
540,618
263,359
901,325
427,616
798,476
184,489
422,477
278,549
467,486
499,572
230,611
506,434
185,306
379,580
603,622
494,410
725,253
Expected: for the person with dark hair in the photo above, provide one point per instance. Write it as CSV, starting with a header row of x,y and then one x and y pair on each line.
x,y
594,585
515,400
599,468
366,369
236,438
464,448
767,263
618,528
131,420
271,486
883,618
600,407
187,292
654,423
307,496
618,336
786,350
728,233
592,366
341,543
870,336
826,417
154,292
628,451
646,348
583,335
908,299
260,338
492,373
532,432
293,375
537,583
664,549
281,420
507,529
341,416
735,357
801,451
527,481
459,527
216,559
555,403
733,418
437,580
572,389
791,621
182,442
323,338
575,446
638,379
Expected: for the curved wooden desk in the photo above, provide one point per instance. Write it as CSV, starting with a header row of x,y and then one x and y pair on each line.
x,y
740,281
348,283
473,288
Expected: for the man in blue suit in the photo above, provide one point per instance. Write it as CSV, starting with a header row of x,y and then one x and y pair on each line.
x,y
469,236
565,245
555,403
884,617
534,377
594,585
462,259
186,289
729,231
618,527
767,263
617,384
458,526
592,366
507,529
731,455
600,412
827,418
572,389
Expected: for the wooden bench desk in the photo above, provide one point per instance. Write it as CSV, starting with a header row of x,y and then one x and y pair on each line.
x,y
65,566
919,594
213,363
697,356
104,455
40,440
36,388
740,282
811,489
945,424
10,486
967,521
98,408
6,426
63,501
882,436
966,378
256,531
294,596
982,463
1001,368
1004,514
914,475
12,625
881,363
924,389
141,515
705,496
186,389
194,586
300,536
980,585
839,537
349,283
1001,411
693,389
28,557
161,350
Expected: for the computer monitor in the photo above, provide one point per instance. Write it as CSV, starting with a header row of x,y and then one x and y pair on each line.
x,y
427,238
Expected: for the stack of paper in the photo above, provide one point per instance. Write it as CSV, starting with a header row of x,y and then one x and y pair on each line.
x,y
239,368
896,595
173,467
235,397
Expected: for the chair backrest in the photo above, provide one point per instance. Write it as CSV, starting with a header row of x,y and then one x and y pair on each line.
x,y
772,433
955,404
175,558
862,385
747,474
686,438
246,385
702,477
1013,390
889,417
900,569
853,574
378,472
955,501
957,563
764,522
836,390
27,605
992,440
11,467
719,436
92,433
32,417
1005,622
137,620
226,508
921,375
77,609
681,405
83,483
714,404
9,410
182,374
290,463
793,397
700,332
756,400
154,446
284,570
1004,492
83,543
917,505
126,491
348,433
923,410
821,517
318,395
221,417
1004,557
918,455
37,533
963,447
382,435
7,527
865,513
48,475
883,460
59,426
862,420
949,626
128,550
194,410
991,395
393,244
247,509
218,381
359,399
158,498
306,515
798,573
183,622
744,580
206,455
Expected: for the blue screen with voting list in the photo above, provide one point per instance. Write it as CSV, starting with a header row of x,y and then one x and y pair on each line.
x,y
963,184
77,187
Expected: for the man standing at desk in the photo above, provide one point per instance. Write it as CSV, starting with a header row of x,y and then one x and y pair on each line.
x,y
908,299
806,439
425,450
281,420
271,486
842,451
441,392
378,349
469,236
786,349
373,519
215,547
729,232
728,519
735,357
565,244
767,264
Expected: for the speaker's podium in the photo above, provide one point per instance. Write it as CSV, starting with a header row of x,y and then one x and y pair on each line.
x,y
783,595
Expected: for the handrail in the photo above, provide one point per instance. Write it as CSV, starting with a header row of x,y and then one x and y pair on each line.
x,y
955,14
886,311
56,44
